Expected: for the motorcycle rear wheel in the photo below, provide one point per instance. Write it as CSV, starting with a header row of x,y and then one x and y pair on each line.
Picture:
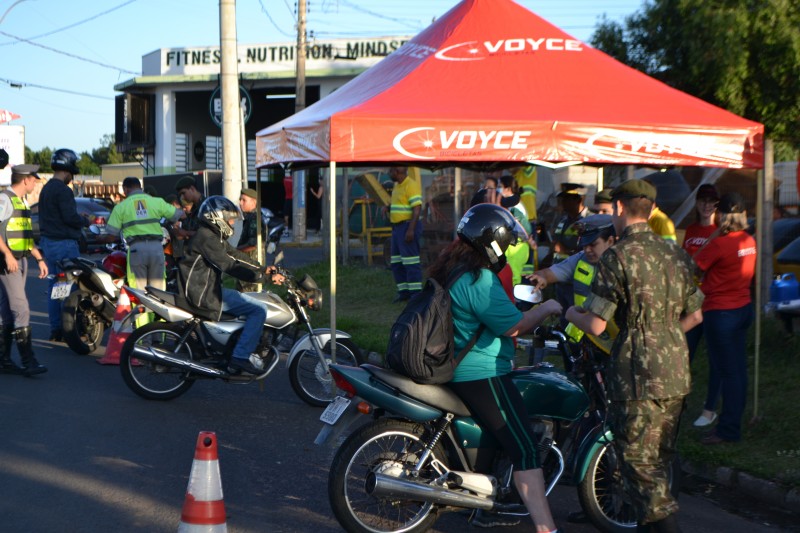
x,y
602,496
380,446
82,325
154,381
308,378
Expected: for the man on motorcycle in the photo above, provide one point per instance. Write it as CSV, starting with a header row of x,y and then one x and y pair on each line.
x,y
208,255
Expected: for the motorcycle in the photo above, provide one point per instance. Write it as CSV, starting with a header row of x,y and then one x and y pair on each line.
x,y
90,293
162,360
423,453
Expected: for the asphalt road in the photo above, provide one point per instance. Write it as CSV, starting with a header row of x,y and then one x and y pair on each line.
x,y
79,452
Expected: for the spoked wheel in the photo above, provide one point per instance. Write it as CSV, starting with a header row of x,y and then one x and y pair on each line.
x,y
602,495
155,381
389,447
82,325
309,379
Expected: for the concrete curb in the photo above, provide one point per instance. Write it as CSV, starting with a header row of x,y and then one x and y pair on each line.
x,y
769,492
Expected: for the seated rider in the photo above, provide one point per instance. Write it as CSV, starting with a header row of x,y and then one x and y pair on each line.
x,y
207,255
595,236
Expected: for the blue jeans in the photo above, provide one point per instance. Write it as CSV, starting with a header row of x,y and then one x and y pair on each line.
x,y
55,251
236,303
726,338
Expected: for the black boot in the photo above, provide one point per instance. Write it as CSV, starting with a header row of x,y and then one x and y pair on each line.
x,y
7,366
30,366
667,525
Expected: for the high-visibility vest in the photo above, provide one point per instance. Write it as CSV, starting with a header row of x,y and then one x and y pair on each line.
x,y
18,230
582,287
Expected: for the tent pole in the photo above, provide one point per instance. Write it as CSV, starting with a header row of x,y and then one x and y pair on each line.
x,y
345,216
332,259
456,200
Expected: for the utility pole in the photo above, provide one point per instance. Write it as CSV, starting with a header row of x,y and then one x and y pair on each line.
x,y
299,177
229,79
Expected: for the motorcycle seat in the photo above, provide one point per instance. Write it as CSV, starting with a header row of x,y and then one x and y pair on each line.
x,y
438,396
164,296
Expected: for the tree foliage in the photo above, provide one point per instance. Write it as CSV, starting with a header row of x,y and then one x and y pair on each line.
x,y
742,55
88,163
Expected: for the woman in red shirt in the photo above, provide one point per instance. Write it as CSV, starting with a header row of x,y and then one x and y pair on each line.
x,y
728,261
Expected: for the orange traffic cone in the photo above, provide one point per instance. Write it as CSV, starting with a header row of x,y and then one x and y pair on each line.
x,y
204,508
118,335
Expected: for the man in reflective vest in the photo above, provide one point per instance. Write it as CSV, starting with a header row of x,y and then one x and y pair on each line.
x,y
406,232
595,236
138,220
16,246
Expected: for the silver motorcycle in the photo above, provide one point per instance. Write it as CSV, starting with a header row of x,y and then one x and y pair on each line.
x,y
163,359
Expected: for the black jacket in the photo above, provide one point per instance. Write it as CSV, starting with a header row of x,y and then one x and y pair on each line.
x,y
58,215
206,257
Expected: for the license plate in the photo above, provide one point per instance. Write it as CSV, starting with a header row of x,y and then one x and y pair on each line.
x,y
334,410
61,290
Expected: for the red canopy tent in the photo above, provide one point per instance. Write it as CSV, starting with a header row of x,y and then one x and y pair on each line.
x,y
491,81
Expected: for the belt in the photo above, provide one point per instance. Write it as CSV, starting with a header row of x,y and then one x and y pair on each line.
x,y
143,238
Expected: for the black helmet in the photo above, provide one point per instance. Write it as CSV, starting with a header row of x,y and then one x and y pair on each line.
x,y
592,227
490,229
216,211
65,159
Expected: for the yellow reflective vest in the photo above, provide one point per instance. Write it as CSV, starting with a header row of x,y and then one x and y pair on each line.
x,y
582,286
18,230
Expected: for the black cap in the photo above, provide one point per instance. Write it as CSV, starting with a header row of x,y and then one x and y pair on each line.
x,y
731,203
185,182
571,190
707,191
589,228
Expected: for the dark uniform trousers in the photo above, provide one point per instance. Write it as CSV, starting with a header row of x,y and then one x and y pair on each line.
x,y
645,432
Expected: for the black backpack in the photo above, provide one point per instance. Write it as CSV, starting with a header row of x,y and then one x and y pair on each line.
x,y
421,344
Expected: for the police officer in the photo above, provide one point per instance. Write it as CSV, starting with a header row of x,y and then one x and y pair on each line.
x,y
60,225
16,245
138,220
565,235
406,231
646,285
595,236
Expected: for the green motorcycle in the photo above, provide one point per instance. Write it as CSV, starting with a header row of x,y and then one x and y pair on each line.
x,y
422,453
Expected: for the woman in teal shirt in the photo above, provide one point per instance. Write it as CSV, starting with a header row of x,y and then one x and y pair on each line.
x,y
482,378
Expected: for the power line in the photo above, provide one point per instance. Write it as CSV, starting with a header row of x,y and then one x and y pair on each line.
x,y
84,21
264,9
405,22
20,84
28,41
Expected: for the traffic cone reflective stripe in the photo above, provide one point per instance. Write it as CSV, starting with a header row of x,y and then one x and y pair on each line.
x,y
204,507
118,336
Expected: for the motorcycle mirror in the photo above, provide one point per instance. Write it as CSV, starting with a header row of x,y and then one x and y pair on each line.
x,y
278,258
528,293
95,229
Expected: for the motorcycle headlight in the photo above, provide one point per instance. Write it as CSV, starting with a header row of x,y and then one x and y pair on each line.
x,y
314,299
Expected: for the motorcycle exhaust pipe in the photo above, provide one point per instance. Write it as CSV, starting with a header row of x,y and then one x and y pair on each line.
x,y
157,355
382,486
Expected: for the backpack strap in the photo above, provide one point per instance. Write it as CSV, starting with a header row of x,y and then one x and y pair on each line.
x,y
465,350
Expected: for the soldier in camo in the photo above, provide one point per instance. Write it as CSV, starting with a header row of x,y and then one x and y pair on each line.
x,y
645,284
249,235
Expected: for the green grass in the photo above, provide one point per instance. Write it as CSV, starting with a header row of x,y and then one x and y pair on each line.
x,y
770,446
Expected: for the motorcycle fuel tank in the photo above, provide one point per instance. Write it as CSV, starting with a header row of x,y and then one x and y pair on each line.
x,y
548,392
279,314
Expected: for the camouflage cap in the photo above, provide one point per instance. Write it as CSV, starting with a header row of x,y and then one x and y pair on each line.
x,y
185,182
634,189
250,192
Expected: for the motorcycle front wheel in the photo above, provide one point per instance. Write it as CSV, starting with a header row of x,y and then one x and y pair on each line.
x,y
82,325
389,447
151,380
308,377
603,498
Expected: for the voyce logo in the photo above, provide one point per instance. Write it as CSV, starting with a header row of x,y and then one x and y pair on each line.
x,y
475,50
427,142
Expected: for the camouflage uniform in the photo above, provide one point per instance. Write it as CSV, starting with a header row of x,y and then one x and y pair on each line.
x,y
248,238
645,284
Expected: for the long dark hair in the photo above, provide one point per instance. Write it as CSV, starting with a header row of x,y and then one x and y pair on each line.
x,y
457,256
